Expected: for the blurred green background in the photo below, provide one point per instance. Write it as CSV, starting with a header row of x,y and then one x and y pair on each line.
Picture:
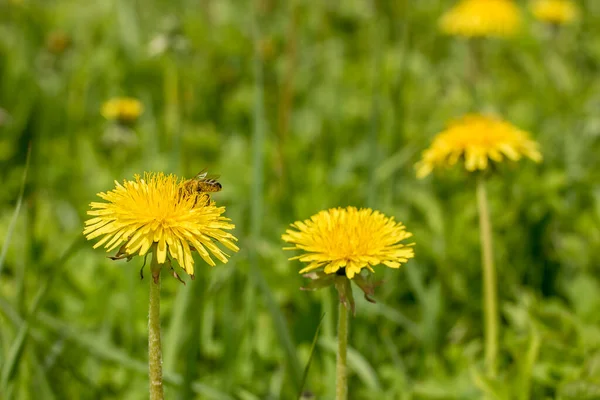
x,y
299,105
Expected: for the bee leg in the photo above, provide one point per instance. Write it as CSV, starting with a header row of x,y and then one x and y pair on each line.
x,y
207,199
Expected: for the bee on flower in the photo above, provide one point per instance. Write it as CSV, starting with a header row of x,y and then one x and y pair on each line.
x,y
156,214
203,184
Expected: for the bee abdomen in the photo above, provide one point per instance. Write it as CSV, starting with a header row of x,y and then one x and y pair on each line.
x,y
209,186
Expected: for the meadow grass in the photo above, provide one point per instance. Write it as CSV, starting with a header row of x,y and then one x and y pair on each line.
x,y
299,106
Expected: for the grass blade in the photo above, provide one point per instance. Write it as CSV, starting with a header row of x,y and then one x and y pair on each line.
x,y
16,349
14,355
15,216
310,357
108,352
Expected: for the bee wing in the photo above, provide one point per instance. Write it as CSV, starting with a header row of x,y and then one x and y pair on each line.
x,y
202,174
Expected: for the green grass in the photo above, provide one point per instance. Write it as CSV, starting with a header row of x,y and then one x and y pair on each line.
x,y
299,106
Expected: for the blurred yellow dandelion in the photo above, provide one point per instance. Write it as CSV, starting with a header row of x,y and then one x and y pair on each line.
x,y
346,240
477,18
122,109
58,42
555,11
156,213
479,139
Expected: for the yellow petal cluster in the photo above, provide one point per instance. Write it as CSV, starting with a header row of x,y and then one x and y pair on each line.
x,y
480,18
555,11
349,238
157,210
122,109
477,139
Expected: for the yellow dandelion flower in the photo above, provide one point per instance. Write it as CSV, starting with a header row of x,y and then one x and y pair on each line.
x,y
477,18
346,240
478,139
555,11
156,213
122,109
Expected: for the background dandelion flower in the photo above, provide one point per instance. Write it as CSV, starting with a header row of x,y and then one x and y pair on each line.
x,y
555,11
122,109
349,238
478,139
480,18
156,210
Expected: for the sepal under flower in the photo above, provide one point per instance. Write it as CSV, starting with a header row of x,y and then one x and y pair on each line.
x,y
343,286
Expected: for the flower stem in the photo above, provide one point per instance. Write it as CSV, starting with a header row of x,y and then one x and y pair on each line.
x,y
474,71
154,347
341,391
490,305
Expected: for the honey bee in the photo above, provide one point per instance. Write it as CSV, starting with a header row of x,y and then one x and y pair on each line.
x,y
204,184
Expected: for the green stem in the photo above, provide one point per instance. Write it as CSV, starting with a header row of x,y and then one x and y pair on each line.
x,y
341,391
490,305
154,347
173,112
474,72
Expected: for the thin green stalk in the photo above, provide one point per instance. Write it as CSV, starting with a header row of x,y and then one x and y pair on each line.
x,y
154,347
286,94
375,36
474,70
15,216
490,305
173,112
341,384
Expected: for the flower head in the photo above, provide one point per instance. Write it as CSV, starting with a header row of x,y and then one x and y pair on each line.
x,y
346,240
125,110
157,214
555,11
58,42
478,139
478,18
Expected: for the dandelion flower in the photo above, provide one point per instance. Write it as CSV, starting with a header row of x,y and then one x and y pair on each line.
x,y
156,213
555,11
478,139
122,109
479,18
346,240
58,42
